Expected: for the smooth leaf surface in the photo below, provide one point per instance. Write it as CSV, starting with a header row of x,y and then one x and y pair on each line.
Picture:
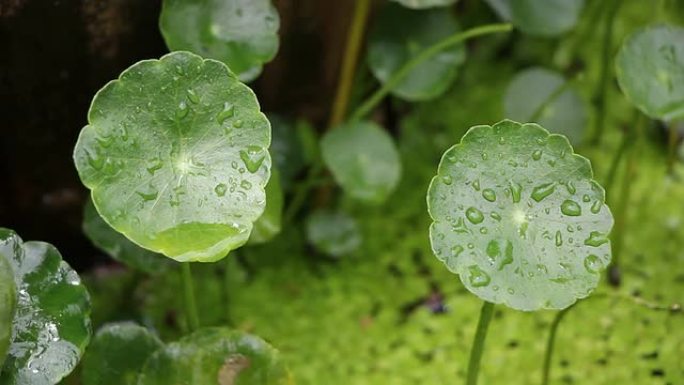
x,y
518,217
333,232
541,92
118,353
8,302
363,160
545,17
117,246
216,356
241,33
175,154
51,326
398,35
650,71
269,223
420,4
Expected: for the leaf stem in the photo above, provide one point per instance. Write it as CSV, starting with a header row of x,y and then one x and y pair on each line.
x,y
190,301
351,57
551,342
424,55
478,342
550,99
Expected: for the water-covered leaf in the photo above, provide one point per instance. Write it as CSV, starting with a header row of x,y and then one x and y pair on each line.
x,y
541,93
175,154
8,302
650,70
216,356
333,232
545,17
517,215
241,33
118,353
420,4
268,224
399,34
51,325
117,246
363,160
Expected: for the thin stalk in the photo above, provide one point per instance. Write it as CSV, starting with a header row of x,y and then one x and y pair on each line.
x,y
302,191
554,95
550,343
351,58
615,162
601,101
424,55
189,292
478,342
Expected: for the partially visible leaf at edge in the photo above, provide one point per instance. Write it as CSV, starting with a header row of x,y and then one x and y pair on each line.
x,y
8,302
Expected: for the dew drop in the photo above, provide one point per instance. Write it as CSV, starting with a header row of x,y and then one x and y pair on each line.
x,y
477,277
148,195
227,112
154,165
476,185
586,198
456,251
95,162
474,215
253,157
596,207
182,110
447,180
489,194
570,186
496,216
536,154
460,227
596,239
220,189
245,184
571,208
516,190
592,263
542,191
559,238
193,97
237,123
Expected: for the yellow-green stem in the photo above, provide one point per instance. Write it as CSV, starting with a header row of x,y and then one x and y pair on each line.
x,y
478,342
190,301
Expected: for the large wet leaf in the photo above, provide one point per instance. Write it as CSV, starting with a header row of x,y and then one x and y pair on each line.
x,y
650,70
545,17
419,4
363,160
241,33
333,232
118,353
8,302
175,154
399,35
541,93
518,217
216,356
117,246
268,224
52,322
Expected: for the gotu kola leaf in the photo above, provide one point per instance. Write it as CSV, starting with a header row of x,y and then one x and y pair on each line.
x,y
8,302
214,356
363,160
333,232
51,326
399,35
118,353
241,33
421,4
176,156
545,17
650,71
117,246
517,215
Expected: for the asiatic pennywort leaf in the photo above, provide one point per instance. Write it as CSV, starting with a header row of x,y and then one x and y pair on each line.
x,y
545,17
517,215
421,4
333,232
176,156
8,302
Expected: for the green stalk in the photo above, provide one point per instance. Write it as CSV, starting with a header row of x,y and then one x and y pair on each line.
x,y
550,344
351,57
554,95
424,55
478,342
189,292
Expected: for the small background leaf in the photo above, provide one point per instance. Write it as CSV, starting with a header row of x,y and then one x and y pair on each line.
x,y
420,4
241,33
398,35
333,233
52,324
545,17
118,353
363,160
8,302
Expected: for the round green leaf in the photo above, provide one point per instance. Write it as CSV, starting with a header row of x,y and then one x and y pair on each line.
x,y
51,326
8,302
268,224
420,4
502,8
650,71
241,33
175,154
518,217
399,35
535,91
118,353
363,160
216,356
545,17
333,233
117,246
